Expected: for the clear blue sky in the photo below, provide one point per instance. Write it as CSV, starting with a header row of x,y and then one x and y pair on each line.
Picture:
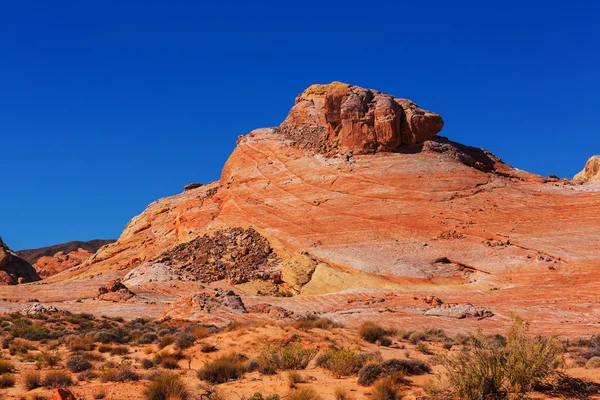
x,y
107,106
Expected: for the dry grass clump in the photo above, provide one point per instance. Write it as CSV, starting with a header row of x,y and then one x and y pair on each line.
x,y
81,343
32,380
294,378
223,369
371,332
7,380
312,321
76,363
290,356
393,367
6,367
57,379
498,368
166,386
122,373
343,362
342,394
304,394
387,388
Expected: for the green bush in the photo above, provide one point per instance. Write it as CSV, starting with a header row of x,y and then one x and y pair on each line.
x,y
166,386
290,356
343,362
26,329
221,370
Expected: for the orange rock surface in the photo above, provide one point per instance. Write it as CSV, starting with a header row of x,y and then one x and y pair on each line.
x,y
384,206
47,266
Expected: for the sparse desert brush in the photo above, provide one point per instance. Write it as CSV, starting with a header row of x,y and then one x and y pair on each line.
x,y
371,332
7,380
290,356
20,346
593,362
6,367
201,332
110,336
119,351
99,394
169,362
304,394
166,386
207,348
343,362
259,396
385,341
342,394
424,349
496,367
166,341
77,363
57,379
47,359
81,343
32,380
146,363
223,369
312,321
294,378
416,337
27,329
386,389
184,341
148,351
393,367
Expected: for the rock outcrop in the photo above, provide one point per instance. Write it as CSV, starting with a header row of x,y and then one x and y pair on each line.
x,y
341,118
14,269
115,291
591,172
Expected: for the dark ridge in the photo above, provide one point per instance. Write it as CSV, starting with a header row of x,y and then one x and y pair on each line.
x,y
32,255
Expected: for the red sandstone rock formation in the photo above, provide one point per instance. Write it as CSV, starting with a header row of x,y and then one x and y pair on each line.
x,y
13,269
51,265
418,211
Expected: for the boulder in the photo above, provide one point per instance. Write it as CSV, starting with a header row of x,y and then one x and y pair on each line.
x,y
13,269
115,291
591,172
341,118
62,394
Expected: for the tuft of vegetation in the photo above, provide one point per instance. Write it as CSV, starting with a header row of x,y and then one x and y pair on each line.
x,y
304,394
386,389
371,332
342,394
32,380
77,363
6,367
7,380
57,379
223,369
495,368
166,386
343,362
290,356
123,373
312,321
391,368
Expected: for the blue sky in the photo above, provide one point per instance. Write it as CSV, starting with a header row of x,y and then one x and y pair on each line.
x,y
108,106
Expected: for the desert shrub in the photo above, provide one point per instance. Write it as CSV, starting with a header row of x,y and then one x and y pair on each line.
x,y
208,348
92,356
32,380
100,394
77,363
342,394
385,341
259,396
165,341
123,373
6,367
7,380
343,362
81,343
371,332
104,348
294,378
312,321
57,379
19,346
221,370
290,356
109,336
147,363
26,329
386,389
393,367
169,362
424,349
48,358
593,362
147,338
184,341
304,394
493,367
86,375
266,369
166,386
416,337
119,351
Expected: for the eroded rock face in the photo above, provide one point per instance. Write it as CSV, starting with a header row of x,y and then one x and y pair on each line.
x,y
115,291
591,172
47,266
13,269
341,118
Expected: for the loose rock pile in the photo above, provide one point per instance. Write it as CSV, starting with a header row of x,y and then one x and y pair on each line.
x,y
239,255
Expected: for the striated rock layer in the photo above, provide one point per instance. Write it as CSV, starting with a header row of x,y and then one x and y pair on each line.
x,y
354,194
591,172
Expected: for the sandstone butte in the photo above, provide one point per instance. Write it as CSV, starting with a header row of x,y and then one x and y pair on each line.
x,y
357,206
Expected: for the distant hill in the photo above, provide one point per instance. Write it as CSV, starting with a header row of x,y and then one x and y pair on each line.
x,y
33,255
